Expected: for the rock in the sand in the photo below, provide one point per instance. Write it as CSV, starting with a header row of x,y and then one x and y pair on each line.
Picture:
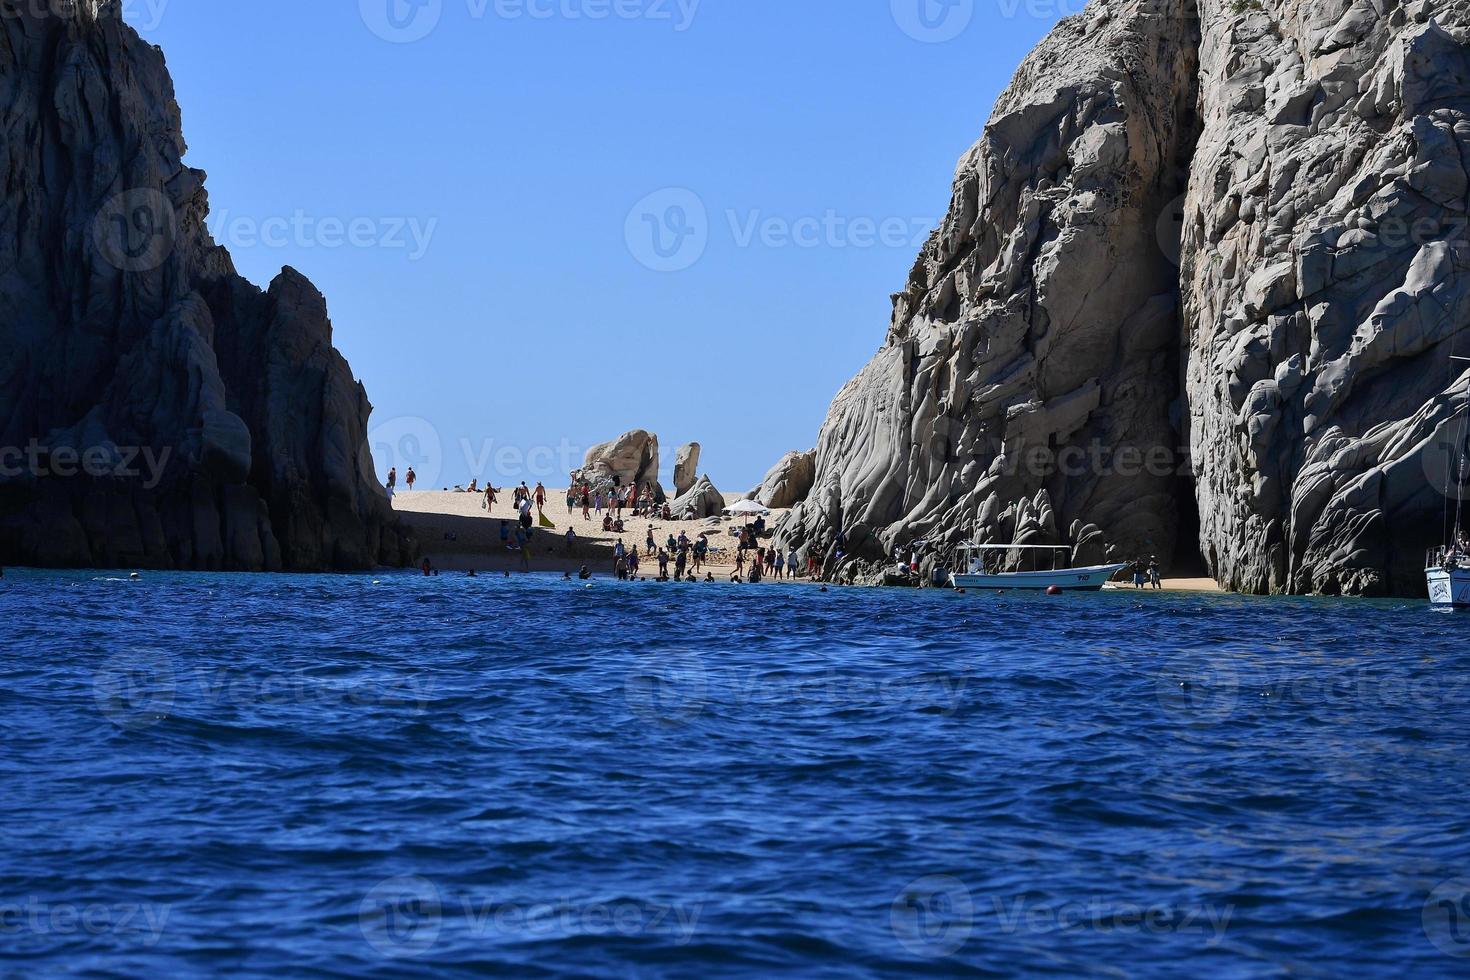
x,y
182,417
789,482
701,501
1199,281
630,459
686,468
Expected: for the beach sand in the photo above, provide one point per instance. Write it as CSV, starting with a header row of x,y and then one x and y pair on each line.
x,y
457,534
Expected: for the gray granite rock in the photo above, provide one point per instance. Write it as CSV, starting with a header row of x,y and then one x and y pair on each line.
x,y
789,482
218,426
630,459
1199,283
686,468
699,502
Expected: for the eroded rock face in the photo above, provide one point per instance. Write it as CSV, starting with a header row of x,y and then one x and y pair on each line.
x,y
155,408
1303,164
789,482
698,502
686,468
1325,259
630,459
1039,328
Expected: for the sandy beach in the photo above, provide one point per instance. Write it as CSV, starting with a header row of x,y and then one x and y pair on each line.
x,y
457,534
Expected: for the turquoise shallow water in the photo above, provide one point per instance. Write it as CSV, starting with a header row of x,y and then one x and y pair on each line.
x,y
395,776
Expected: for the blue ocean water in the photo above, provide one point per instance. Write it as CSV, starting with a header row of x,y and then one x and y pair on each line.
x,y
399,776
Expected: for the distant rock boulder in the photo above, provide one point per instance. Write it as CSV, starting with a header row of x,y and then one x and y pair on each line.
x,y
631,458
701,501
686,468
789,482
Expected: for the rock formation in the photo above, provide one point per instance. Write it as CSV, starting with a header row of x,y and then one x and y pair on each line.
x,y
155,408
630,459
789,482
1199,283
686,468
698,502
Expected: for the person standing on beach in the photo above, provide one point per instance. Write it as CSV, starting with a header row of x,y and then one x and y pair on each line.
x,y
489,504
540,498
649,544
780,563
411,478
586,504
392,479
1153,573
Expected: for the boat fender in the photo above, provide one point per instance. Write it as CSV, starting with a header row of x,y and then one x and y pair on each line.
x,y
1054,590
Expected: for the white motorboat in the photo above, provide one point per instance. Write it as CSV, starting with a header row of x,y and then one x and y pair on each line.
x,y
1447,569
976,572
1447,573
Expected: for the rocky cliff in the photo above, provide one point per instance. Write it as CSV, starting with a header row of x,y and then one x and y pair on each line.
x,y
155,408
1195,295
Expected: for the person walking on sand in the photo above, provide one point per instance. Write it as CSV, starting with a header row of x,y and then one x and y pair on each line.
x,y
540,498
392,479
411,478
489,504
586,505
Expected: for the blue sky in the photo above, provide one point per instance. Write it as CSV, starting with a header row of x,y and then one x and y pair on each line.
x,y
540,223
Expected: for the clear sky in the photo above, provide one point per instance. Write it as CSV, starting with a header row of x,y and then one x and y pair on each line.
x,y
541,223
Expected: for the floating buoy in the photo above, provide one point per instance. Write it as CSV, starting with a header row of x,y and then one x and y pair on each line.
x,y
1054,590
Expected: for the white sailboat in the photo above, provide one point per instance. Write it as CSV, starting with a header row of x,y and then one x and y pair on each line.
x,y
1447,568
974,574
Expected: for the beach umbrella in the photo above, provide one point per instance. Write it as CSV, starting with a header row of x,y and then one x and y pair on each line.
x,y
746,507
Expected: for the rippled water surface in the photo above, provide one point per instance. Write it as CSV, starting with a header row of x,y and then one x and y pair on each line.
x,y
359,776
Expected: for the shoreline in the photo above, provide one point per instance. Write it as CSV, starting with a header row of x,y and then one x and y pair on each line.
x,y
457,534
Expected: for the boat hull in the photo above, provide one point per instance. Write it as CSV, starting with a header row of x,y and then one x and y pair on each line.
x,y
1090,579
1448,588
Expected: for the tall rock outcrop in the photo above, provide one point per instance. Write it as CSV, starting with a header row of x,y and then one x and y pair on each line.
x,y
1039,327
686,468
1199,283
155,408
